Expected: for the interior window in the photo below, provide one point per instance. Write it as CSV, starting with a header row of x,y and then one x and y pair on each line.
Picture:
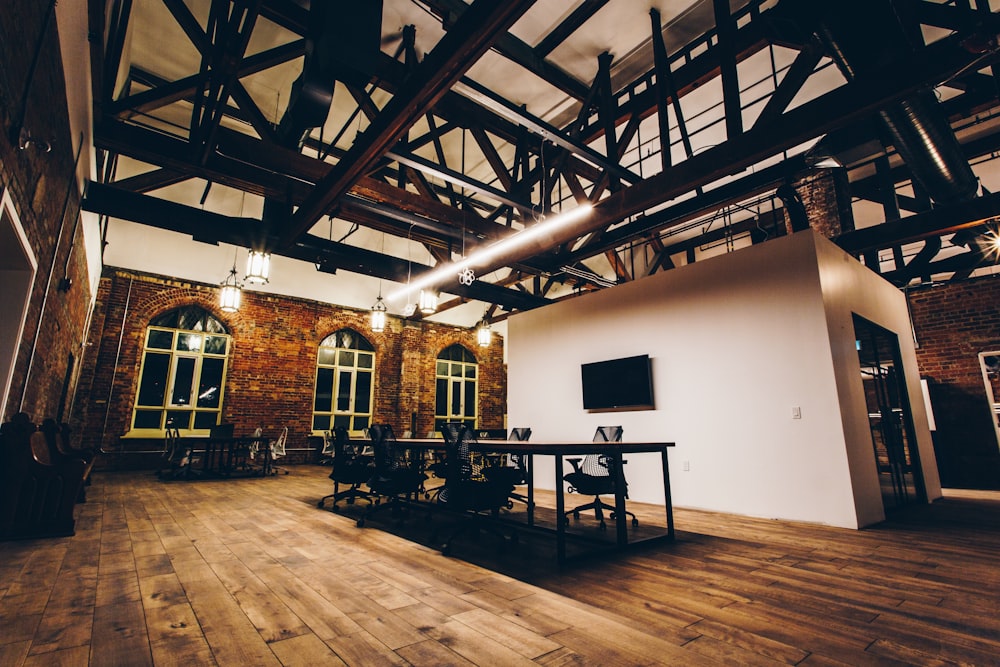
x,y
183,372
345,368
456,387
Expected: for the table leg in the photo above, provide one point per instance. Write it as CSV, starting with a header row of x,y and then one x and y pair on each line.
x,y
560,509
667,501
529,465
621,519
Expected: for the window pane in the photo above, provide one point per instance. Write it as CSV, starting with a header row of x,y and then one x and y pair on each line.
x,y
363,393
215,344
441,397
205,420
188,342
153,385
470,399
456,398
470,371
321,422
183,379
162,340
366,360
147,418
324,390
344,391
342,420
327,356
346,358
442,368
456,370
360,423
179,419
210,384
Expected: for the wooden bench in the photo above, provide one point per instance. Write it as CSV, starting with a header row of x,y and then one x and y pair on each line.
x,y
38,495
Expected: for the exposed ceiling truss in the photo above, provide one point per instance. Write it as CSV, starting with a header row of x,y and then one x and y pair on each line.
x,y
411,137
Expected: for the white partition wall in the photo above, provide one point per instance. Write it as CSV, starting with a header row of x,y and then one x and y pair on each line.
x,y
740,344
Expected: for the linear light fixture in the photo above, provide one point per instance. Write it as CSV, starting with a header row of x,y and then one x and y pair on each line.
x,y
485,255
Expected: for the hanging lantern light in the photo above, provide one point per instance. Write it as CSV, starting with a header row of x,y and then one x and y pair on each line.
x,y
229,295
258,267
378,315
483,334
428,301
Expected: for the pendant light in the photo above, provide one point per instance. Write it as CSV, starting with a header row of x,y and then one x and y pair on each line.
x,y
378,315
379,309
258,267
229,295
483,334
428,301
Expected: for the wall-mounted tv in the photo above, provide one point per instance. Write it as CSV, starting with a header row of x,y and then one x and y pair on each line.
x,y
618,384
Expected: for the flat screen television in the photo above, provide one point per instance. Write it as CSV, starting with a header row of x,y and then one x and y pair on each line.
x,y
618,384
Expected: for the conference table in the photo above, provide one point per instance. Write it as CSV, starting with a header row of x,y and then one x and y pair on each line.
x,y
561,450
219,457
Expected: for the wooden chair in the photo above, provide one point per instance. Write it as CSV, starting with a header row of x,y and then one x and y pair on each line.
x,y
57,438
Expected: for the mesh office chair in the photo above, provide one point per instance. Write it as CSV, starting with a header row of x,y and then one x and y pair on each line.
x,y
592,476
351,467
395,479
277,448
328,453
466,489
513,469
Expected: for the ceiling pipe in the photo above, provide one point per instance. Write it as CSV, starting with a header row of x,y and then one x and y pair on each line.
x,y
343,40
862,36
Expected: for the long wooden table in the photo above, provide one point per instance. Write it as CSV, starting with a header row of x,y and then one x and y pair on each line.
x,y
560,450
220,457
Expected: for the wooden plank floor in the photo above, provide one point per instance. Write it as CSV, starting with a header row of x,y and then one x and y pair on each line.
x,y
250,572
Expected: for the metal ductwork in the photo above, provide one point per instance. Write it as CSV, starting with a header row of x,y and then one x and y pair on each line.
x,y
863,36
343,43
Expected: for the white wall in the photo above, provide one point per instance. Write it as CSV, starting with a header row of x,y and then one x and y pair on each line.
x,y
736,342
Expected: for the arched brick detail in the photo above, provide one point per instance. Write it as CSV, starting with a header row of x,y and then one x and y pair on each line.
x,y
272,364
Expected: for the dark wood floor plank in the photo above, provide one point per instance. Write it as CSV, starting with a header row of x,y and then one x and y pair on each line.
x,y
119,636
432,653
305,651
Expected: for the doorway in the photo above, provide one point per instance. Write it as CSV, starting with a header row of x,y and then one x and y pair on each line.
x,y
17,275
989,364
889,417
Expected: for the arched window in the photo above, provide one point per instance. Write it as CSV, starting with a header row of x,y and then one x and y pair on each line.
x,y
456,387
183,372
345,387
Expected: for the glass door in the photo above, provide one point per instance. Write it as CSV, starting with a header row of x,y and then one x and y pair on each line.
x,y
889,415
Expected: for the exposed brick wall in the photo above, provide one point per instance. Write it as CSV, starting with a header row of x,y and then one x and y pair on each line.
x,y
43,190
825,194
953,323
273,360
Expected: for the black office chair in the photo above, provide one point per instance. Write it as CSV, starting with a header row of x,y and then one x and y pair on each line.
x,y
350,467
592,476
513,469
438,466
466,489
395,479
